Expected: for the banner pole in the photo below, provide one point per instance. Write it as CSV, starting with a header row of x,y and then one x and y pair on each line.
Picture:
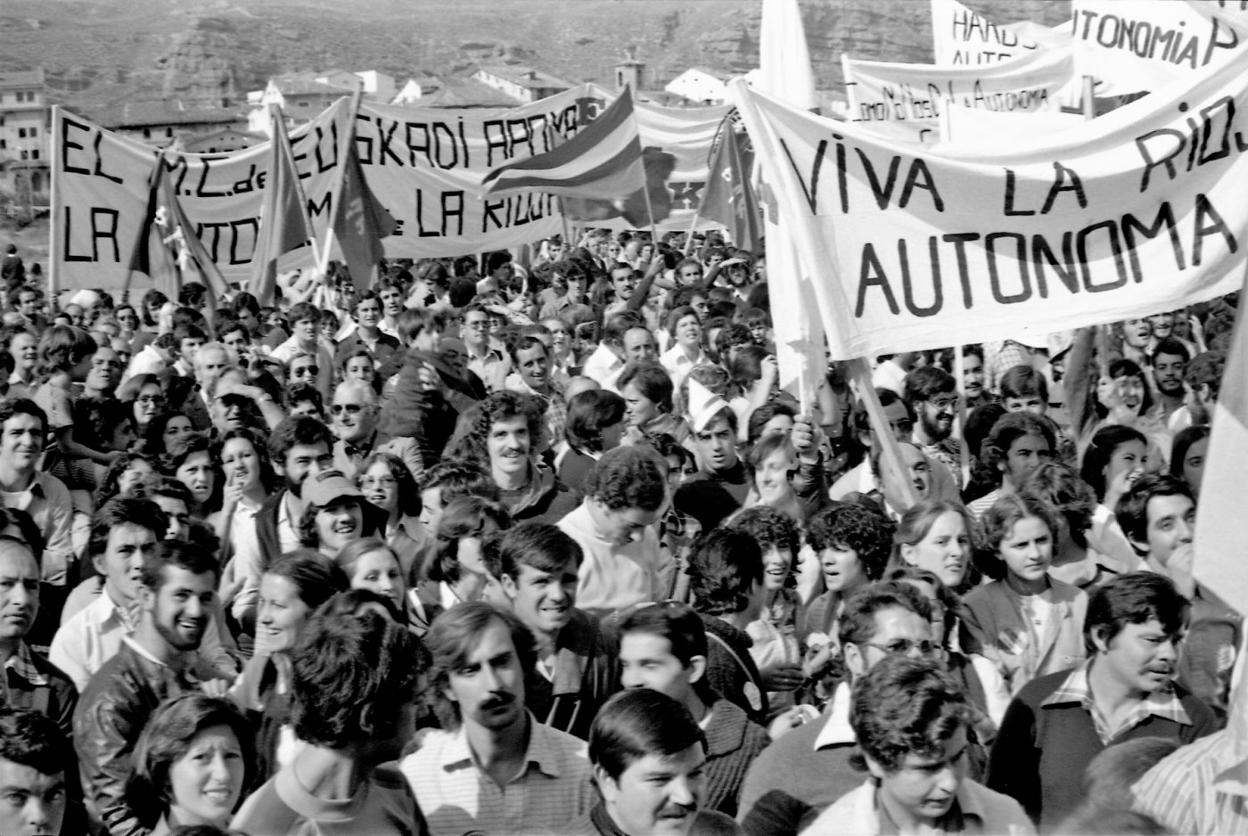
x,y
889,449
54,222
693,224
567,227
959,371
1089,103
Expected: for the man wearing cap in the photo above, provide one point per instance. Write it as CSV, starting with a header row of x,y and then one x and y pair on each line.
x,y
332,493
354,413
722,481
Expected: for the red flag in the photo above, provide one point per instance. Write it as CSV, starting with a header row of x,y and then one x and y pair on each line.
x,y
728,197
283,215
168,248
359,222
603,160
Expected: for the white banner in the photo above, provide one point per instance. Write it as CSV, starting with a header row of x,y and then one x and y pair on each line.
x,y
962,36
1133,47
905,101
994,129
1139,211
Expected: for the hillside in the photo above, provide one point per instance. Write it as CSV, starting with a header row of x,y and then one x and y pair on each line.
x,y
100,51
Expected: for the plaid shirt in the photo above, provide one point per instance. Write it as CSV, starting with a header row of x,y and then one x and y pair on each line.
x,y
22,665
1164,703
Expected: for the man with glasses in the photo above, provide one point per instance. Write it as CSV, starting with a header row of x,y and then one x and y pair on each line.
x,y
933,395
486,361
354,413
795,778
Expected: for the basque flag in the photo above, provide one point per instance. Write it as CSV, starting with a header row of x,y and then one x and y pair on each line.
x,y
602,160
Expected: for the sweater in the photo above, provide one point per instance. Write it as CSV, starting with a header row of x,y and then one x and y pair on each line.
x,y
1041,751
732,744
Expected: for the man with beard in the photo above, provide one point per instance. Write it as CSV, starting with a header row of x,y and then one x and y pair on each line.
x,y
299,447
123,535
910,719
1125,691
354,412
177,595
494,768
575,673
932,393
615,526
1169,362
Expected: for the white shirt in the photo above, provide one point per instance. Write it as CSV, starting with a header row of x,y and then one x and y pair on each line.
x,y
603,366
613,577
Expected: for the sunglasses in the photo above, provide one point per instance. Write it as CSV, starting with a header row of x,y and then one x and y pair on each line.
x,y
349,408
302,370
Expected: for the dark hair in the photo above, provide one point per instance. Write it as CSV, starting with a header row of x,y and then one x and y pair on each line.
x,y
1008,429
760,416
1123,367
543,546
405,485
768,527
1205,369
1134,598
848,525
464,516
31,738
23,406
1023,381
925,382
154,435
588,413
1101,448
188,556
674,621
109,485
346,665
61,348
998,524
459,477
949,599
628,477
906,706
124,511
1171,346
1184,440
28,530
167,737
857,622
314,576
1132,510
979,424
724,567
454,634
498,406
268,477
1072,497
297,430
637,723
651,380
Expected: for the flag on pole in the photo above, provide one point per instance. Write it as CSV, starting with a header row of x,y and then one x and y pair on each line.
x,y
168,249
602,160
283,215
728,197
359,221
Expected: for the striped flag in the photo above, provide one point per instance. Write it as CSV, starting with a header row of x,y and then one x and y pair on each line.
x,y
168,250
602,160
283,215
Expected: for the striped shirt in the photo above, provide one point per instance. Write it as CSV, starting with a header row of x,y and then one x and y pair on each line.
x,y
458,797
1200,788
1164,703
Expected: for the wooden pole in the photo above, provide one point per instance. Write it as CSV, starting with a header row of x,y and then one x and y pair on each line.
x,y
964,452
54,221
889,449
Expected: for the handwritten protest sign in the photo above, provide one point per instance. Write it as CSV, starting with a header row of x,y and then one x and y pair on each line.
x,y
962,36
1139,211
1131,47
904,101
424,165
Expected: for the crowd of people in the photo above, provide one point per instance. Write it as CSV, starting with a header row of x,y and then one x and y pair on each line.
x,y
537,543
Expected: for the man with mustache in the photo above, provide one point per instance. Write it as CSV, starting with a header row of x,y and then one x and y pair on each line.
x,y
1126,690
177,594
1169,361
911,718
933,394
494,768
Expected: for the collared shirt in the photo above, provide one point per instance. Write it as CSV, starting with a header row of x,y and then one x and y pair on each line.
x,y
603,366
49,504
492,367
678,364
612,577
1164,703
1199,788
458,797
94,635
837,731
20,664
977,809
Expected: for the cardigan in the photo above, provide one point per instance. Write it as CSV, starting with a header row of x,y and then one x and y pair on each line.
x,y
1041,751
732,743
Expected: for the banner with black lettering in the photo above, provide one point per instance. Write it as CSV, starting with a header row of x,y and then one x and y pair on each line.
x,y
1139,211
905,101
1134,47
423,164
962,36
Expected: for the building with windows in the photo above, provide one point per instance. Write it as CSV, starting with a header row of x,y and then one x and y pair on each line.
x,y
524,84
25,139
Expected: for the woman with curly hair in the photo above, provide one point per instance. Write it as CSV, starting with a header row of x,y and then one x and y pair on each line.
x,y
129,475
387,483
459,571
167,433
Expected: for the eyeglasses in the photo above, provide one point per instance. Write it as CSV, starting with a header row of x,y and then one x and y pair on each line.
x,y
944,403
302,370
350,408
476,323
903,647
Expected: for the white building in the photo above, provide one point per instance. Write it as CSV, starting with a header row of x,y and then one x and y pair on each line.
x,y
524,84
700,85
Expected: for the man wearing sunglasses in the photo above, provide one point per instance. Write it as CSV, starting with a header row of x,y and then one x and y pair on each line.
x,y
795,778
353,416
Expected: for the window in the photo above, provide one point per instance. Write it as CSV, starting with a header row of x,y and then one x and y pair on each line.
x,y
32,132
21,133
34,153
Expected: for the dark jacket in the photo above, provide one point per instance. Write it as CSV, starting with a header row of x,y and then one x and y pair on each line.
x,y
57,699
732,743
388,356
271,543
584,677
112,711
426,417
544,499
711,497
730,669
